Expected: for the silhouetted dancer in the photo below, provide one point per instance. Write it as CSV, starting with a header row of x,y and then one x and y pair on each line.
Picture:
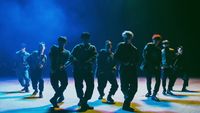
x,y
168,56
60,57
151,65
127,56
180,68
106,71
84,56
37,61
22,67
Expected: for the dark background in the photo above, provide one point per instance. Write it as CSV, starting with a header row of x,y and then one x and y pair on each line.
x,y
32,21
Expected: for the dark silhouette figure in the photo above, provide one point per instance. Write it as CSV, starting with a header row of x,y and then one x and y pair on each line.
x,y
151,65
179,69
127,55
106,71
37,61
168,55
84,56
59,57
22,67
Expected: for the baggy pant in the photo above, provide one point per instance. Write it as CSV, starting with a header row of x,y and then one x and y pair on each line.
x,y
88,77
129,83
23,77
150,73
183,76
168,73
36,78
59,76
105,77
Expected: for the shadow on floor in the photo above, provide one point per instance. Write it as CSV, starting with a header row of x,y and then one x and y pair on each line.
x,y
150,102
31,97
177,96
189,91
42,109
185,102
5,94
11,92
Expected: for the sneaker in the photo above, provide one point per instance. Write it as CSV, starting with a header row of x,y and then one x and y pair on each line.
x,y
110,100
185,90
23,89
164,93
100,97
27,90
155,98
128,108
54,102
148,95
34,93
85,108
40,95
170,93
89,107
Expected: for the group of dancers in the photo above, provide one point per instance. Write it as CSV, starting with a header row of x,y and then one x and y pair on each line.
x,y
159,61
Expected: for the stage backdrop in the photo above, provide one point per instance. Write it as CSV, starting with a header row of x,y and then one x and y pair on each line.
x,y
32,21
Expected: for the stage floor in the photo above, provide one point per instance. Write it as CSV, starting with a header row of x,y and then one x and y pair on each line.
x,y
13,101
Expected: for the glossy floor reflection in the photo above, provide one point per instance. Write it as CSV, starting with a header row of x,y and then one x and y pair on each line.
x,y
12,100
